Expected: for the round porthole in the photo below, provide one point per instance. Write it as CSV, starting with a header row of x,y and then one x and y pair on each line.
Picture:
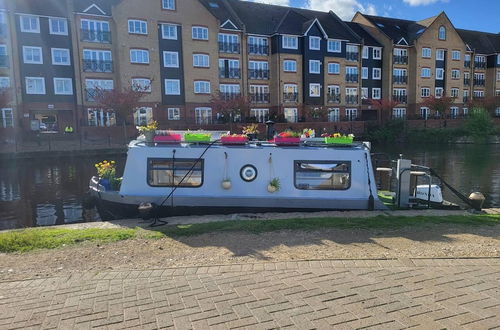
x,y
248,173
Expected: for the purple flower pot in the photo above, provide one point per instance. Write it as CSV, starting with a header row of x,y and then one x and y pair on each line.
x,y
105,183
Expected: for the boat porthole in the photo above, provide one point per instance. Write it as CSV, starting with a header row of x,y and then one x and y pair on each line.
x,y
248,173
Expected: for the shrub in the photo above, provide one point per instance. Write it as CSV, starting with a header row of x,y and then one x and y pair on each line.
x,y
479,125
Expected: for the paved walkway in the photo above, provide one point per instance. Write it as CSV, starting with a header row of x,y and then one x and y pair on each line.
x,y
345,294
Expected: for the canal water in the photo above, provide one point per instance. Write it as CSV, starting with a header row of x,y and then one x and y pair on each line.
x,y
49,191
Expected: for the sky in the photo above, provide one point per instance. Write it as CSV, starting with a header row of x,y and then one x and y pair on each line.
x,y
481,15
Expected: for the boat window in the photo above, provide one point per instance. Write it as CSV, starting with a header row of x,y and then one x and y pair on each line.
x,y
322,175
167,172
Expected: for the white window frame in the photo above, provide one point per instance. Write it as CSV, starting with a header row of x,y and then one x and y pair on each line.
x,y
425,70
196,30
351,114
312,63
427,92
440,54
498,75
142,51
167,36
455,91
199,87
425,110
64,92
455,74
426,52
442,33
291,115
364,93
454,112
52,52
498,58
42,79
436,94
439,74
364,73
379,96
230,88
4,82
173,114
204,58
65,26
30,29
456,55
141,84
286,44
377,53
312,42
335,42
398,112
174,64
168,4
26,61
314,85
289,62
260,114
143,25
4,123
143,115
365,53
207,114
377,73
334,65
177,91
333,114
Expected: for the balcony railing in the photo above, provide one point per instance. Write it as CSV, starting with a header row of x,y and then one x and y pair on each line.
x,y
401,80
400,98
96,36
259,97
290,97
351,56
258,49
229,95
465,99
333,98
97,66
478,97
258,74
400,59
478,82
229,73
229,47
4,61
466,64
479,65
351,99
351,78
90,94
466,81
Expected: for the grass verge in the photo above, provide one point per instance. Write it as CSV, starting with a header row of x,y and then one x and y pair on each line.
x,y
51,238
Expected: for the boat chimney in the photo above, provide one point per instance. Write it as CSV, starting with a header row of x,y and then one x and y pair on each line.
x,y
270,130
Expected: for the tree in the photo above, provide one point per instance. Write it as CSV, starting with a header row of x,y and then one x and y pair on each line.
x,y
384,107
438,104
489,103
230,106
318,112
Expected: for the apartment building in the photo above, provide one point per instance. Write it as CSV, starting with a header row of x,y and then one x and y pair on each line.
x,y
287,62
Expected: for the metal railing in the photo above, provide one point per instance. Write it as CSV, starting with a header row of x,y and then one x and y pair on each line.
x,y
229,73
466,64
400,98
229,47
96,36
333,98
466,81
351,99
401,80
479,65
259,97
258,49
400,59
290,97
351,78
352,56
229,95
90,94
97,66
465,99
258,74
478,82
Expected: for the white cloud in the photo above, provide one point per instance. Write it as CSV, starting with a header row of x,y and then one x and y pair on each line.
x,y
415,3
345,9
275,2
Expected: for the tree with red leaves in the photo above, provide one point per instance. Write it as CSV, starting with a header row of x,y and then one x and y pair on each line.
x,y
489,103
384,107
230,106
439,104
123,102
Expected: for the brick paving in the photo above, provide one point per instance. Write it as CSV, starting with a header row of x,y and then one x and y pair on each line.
x,y
325,294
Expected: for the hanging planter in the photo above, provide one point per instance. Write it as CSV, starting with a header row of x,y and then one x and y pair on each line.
x,y
226,182
274,185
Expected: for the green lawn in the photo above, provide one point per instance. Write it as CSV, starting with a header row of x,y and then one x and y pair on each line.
x,y
51,238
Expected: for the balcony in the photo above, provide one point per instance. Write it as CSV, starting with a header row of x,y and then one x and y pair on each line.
x,y
351,56
97,66
400,59
259,97
229,47
226,96
103,37
351,78
290,97
478,82
478,97
479,65
258,49
90,94
333,98
351,99
466,64
229,73
465,99
258,74
466,81
400,98
4,61
400,80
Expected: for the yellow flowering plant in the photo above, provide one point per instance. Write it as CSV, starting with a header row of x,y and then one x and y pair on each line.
x,y
152,126
107,170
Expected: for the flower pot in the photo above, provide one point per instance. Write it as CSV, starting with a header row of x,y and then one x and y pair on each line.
x,y
252,136
338,140
271,188
287,141
149,135
226,184
172,138
233,139
197,137
105,183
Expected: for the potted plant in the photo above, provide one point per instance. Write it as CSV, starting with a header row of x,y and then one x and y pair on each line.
x,y
149,130
167,137
274,185
197,137
287,138
338,138
107,175
308,133
251,131
234,139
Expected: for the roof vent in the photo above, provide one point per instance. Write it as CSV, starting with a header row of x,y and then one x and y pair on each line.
x,y
420,31
213,5
380,25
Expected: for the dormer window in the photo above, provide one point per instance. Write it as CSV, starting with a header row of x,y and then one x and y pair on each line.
x,y
442,33
314,43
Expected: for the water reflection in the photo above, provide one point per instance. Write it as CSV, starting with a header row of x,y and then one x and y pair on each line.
x,y
45,192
